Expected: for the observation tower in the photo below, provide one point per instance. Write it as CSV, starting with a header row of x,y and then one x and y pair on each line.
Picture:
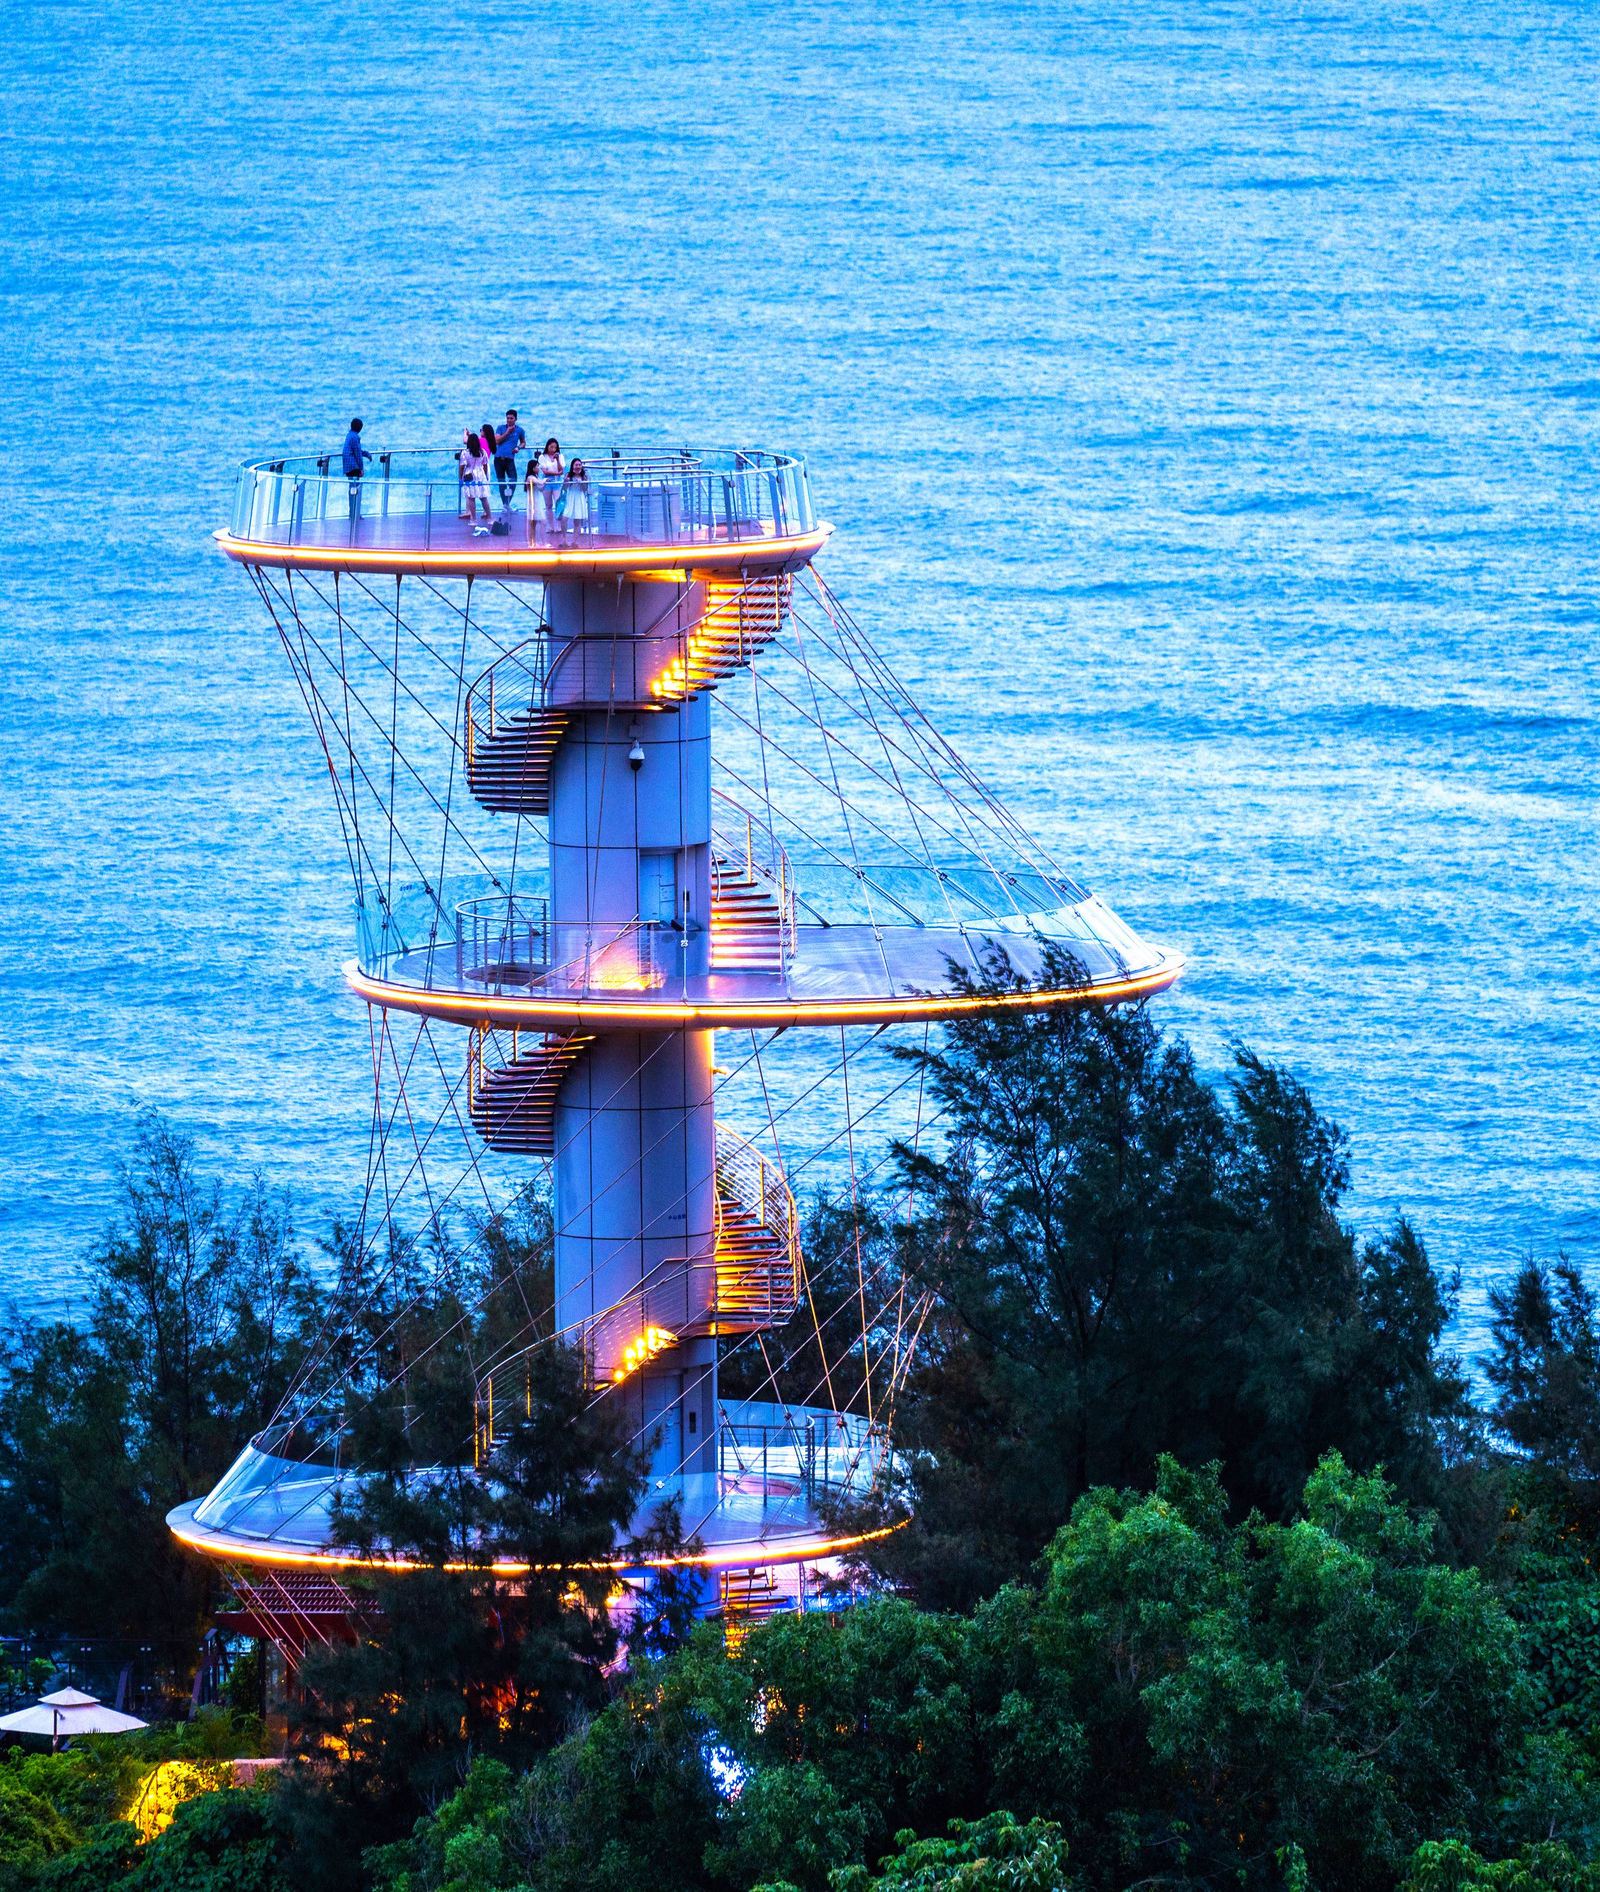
x,y
654,862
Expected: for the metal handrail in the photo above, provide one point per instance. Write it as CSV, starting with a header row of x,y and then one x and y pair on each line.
x,y
736,837
759,1187
642,496
482,717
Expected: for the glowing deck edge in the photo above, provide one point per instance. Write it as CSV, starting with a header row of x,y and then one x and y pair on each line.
x,y
468,1008
796,1548
530,561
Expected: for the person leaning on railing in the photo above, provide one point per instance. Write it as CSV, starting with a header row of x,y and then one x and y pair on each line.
x,y
355,456
545,472
573,505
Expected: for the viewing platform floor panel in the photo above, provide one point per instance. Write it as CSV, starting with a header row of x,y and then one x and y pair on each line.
x,y
840,975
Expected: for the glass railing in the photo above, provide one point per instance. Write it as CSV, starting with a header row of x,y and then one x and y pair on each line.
x,y
415,499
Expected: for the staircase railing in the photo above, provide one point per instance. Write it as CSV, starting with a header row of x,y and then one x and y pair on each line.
x,y
757,1185
501,940
514,684
743,842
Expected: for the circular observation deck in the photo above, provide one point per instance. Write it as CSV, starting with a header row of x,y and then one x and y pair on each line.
x,y
507,966
663,510
778,1468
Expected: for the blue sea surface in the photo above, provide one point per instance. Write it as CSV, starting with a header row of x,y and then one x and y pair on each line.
x,y
1205,395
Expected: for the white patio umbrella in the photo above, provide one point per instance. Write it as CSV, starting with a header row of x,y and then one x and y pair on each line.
x,y
68,1712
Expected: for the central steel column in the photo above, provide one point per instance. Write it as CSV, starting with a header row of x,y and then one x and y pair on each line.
x,y
630,841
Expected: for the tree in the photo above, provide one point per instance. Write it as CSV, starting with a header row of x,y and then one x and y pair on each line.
x,y
1126,1261
455,1658
1545,1371
994,1854
199,1312
1184,1701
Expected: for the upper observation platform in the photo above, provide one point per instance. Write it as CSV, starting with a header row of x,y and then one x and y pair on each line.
x,y
628,510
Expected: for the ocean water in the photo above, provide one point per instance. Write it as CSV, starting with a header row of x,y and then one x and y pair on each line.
x,y
1205,396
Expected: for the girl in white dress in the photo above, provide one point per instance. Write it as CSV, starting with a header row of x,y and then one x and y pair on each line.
x,y
544,481
475,469
575,500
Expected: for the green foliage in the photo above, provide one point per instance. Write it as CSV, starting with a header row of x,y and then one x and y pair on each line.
x,y
994,1854
456,1662
1452,1866
1191,1701
1126,1261
31,1830
218,1842
1545,1369
199,1311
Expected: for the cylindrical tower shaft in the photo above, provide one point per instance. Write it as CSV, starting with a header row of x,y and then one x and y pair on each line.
x,y
630,880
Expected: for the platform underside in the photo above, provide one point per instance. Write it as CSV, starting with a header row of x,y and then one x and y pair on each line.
x,y
840,974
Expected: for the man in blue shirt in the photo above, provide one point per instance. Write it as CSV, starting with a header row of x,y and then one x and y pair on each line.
x,y
507,445
355,455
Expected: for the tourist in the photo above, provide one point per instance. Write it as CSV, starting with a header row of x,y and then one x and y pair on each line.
x,y
507,446
473,460
355,455
544,476
573,505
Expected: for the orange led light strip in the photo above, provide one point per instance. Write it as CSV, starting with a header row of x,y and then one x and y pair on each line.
x,y
772,1551
533,559
469,1008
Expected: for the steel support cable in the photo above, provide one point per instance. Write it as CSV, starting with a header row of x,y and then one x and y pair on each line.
x,y
357,764
923,861
914,812
917,754
560,1229
1033,852
319,710
411,630
805,1272
770,1382
396,1379
855,1217
342,670
445,1335
888,1262
916,1148
915,725
326,1340
797,827
468,1313
910,713
1028,845
815,719
450,785
434,1213
959,808
316,723
974,840
371,874
390,667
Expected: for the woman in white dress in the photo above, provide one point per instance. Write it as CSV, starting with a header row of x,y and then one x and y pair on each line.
x,y
475,466
574,502
544,482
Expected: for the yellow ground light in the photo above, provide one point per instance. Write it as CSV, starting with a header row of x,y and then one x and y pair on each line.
x,y
165,1788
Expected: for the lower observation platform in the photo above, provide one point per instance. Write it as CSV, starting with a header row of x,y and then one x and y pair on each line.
x,y
776,1466
841,974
